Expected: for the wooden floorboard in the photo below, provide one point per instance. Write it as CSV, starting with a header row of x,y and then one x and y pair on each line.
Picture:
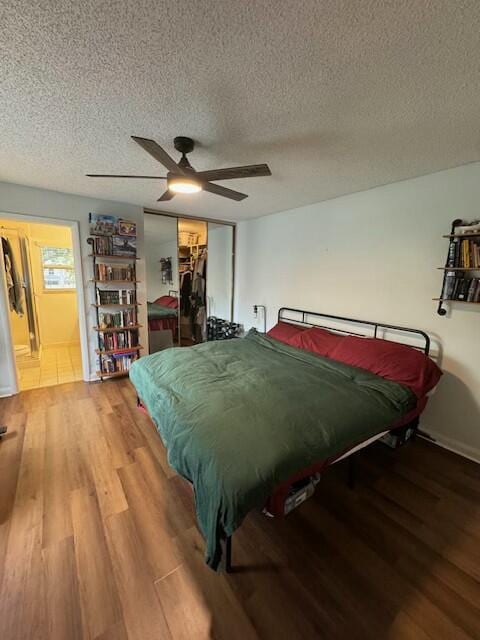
x,y
98,539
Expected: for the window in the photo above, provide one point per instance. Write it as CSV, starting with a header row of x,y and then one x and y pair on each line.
x,y
57,268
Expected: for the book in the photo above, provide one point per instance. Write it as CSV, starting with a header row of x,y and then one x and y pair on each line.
x,y
106,272
124,246
476,297
471,289
462,291
453,252
449,286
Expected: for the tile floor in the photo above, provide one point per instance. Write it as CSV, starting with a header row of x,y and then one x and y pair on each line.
x,y
56,365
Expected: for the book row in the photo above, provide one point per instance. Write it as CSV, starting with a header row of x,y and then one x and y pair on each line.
x,y
117,362
466,289
118,319
115,246
106,272
118,340
464,252
116,296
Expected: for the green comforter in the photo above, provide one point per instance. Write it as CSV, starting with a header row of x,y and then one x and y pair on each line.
x,y
239,417
158,311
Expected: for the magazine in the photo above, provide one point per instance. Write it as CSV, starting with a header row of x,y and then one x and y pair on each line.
x,y
127,228
102,224
124,246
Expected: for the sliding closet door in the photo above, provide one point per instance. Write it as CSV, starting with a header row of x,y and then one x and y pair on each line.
x,y
220,271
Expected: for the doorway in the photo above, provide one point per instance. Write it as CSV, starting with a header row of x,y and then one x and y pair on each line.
x,y
39,270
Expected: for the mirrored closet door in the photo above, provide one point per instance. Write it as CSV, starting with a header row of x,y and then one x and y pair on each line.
x,y
220,272
161,268
189,278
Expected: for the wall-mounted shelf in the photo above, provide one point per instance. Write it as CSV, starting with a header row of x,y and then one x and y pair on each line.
x,y
115,281
111,374
117,306
461,273
113,329
459,268
112,351
463,236
104,256
452,300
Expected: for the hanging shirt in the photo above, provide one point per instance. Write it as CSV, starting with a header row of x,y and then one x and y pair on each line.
x,y
14,284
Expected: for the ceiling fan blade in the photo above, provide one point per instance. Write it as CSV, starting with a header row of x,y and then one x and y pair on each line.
x,y
249,171
168,195
223,191
159,154
108,175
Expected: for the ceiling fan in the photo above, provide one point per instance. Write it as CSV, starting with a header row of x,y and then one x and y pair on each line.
x,y
182,177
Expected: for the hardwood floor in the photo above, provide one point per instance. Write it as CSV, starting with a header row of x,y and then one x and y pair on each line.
x,y
98,539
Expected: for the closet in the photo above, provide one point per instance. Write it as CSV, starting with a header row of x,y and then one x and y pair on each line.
x,y
189,279
192,271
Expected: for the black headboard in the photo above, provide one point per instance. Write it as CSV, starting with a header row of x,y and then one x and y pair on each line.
x,y
366,328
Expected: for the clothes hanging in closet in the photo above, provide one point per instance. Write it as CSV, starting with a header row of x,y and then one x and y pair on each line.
x,y
198,297
14,284
185,293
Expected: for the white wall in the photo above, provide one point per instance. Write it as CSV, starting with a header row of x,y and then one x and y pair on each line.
x,y
61,206
373,255
219,270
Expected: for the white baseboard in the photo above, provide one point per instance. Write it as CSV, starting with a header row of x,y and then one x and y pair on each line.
x,y
465,450
5,392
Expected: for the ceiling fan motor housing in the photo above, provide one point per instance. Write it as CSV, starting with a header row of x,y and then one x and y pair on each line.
x,y
183,144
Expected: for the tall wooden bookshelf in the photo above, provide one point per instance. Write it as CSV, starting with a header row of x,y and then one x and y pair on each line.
x,y
116,310
461,273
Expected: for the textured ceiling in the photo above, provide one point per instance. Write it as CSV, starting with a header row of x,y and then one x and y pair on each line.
x,y
336,95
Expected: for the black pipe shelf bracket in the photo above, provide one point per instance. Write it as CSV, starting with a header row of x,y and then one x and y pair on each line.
x,y
441,308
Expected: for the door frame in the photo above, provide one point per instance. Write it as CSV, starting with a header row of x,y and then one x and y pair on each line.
x,y
74,227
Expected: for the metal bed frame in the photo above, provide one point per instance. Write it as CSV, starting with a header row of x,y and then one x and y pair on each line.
x,y
365,328
377,329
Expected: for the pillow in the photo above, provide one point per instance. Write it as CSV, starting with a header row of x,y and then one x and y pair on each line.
x,y
284,332
316,340
167,301
390,360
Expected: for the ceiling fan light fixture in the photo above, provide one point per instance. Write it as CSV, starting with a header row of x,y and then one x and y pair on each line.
x,y
183,184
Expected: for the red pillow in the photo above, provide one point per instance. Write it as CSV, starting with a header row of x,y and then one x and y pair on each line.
x,y
390,360
285,332
167,301
317,340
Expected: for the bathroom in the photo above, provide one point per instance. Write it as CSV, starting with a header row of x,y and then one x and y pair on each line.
x,y
38,267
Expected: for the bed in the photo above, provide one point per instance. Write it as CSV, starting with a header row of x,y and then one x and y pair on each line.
x,y
243,419
162,314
